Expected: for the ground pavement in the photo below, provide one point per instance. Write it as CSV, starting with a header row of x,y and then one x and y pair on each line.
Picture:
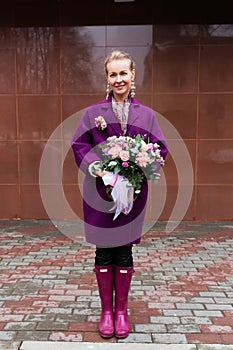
x,y
181,294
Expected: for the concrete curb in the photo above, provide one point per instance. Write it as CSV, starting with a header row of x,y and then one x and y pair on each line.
x,y
44,345
6,345
103,346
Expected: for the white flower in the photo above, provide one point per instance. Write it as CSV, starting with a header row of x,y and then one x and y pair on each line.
x,y
144,146
112,163
100,123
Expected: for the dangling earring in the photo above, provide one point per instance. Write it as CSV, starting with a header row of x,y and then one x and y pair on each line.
x,y
107,90
133,88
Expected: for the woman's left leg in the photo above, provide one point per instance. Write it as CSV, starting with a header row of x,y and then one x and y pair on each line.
x,y
123,276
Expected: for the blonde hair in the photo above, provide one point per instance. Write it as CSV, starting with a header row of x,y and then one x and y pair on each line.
x,y
118,55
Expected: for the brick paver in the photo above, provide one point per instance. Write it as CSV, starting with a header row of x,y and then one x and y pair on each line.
x,y
181,292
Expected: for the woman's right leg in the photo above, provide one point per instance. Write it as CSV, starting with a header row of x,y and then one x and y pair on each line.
x,y
104,271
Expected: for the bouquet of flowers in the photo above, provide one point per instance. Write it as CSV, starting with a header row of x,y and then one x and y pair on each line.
x,y
133,158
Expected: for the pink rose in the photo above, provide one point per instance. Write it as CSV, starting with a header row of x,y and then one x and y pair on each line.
x,y
142,159
115,151
124,155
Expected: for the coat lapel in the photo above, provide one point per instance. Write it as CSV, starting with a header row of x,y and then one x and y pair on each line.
x,y
111,120
134,114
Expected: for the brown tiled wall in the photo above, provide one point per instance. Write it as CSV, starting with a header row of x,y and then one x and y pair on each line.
x,y
47,74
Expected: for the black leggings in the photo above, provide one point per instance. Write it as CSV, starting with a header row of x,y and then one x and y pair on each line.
x,y
119,256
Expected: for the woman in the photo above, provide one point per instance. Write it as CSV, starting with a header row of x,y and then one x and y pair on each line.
x,y
119,114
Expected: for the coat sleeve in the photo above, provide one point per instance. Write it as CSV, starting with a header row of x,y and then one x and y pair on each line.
x,y
83,144
157,136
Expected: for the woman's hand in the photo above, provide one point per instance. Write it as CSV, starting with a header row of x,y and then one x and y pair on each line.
x,y
101,173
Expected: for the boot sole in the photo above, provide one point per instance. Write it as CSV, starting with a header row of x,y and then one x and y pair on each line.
x,y
121,336
107,336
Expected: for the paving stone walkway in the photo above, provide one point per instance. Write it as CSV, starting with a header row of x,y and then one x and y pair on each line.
x,y
181,292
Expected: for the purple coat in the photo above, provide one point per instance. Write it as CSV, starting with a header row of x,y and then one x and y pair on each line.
x,y
100,229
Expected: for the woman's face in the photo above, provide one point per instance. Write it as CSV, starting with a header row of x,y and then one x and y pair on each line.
x,y
119,77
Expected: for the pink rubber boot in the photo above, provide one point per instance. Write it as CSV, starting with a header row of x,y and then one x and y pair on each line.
x,y
123,277
104,276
